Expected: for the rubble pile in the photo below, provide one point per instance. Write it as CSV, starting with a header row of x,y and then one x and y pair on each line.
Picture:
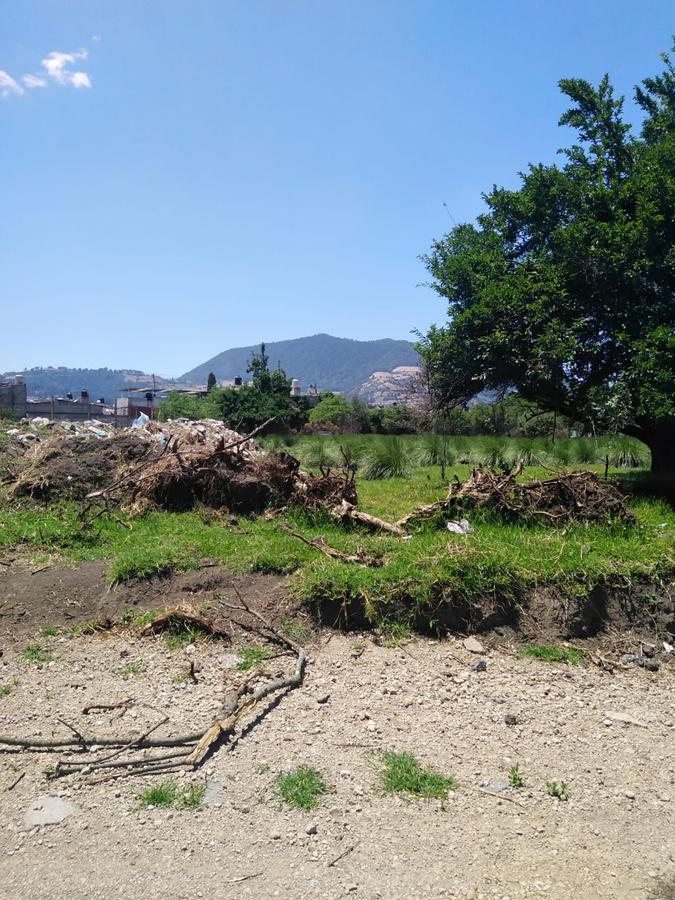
x,y
170,465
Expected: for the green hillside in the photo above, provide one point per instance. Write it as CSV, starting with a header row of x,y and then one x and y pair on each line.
x,y
337,364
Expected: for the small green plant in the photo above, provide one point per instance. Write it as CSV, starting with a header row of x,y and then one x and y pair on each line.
x,y
49,631
557,789
551,654
5,689
251,657
192,796
264,768
292,629
516,779
163,794
302,787
403,773
131,669
388,458
179,678
36,654
395,634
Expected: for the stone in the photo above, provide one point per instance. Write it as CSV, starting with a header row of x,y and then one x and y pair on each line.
x,y
472,645
497,786
48,810
479,665
510,719
324,698
648,650
312,828
275,835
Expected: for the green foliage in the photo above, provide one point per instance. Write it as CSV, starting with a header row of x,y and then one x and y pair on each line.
x,y
211,382
130,670
551,654
516,779
167,794
564,286
557,789
388,458
301,788
36,654
402,773
251,657
5,690
332,408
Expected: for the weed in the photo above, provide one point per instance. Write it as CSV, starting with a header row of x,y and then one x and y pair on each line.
x,y
5,689
552,654
264,768
292,629
49,631
163,794
192,796
403,773
130,669
251,657
389,458
36,654
516,779
179,678
395,633
557,789
302,787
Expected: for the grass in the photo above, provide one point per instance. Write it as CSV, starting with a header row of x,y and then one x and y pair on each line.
x,y
429,572
251,657
130,670
302,788
551,654
516,779
36,654
5,690
166,794
49,631
557,789
402,773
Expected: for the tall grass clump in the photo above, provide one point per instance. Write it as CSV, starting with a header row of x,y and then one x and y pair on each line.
x,y
627,453
321,455
585,450
437,451
388,458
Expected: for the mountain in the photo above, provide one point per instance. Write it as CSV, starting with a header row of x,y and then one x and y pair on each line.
x,y
387,388
331,363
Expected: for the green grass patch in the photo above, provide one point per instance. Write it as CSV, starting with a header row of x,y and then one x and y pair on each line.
x,y
516,778
5,690
557,789
551,654
167,794
36,654
402,773
49,631
302,788
130,670
251,657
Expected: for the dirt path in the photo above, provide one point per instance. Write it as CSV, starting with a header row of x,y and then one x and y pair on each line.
x,y
614,837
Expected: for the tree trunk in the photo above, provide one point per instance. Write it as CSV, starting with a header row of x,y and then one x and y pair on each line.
x,y
660,438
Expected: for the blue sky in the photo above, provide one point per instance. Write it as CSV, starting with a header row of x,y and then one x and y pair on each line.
x,y
196,176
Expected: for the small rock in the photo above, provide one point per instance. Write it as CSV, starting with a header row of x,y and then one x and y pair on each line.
x,y
275,835
479,665
510,719
629,794
648,650
312,828
48,810
324,698
472,645
497,786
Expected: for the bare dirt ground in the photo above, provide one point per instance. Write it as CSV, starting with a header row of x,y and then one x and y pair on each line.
x,y
611,738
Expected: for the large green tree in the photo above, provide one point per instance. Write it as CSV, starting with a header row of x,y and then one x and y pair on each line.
x,y
564,288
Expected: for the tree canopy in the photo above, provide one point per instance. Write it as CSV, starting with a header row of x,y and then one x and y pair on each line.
x,y
563,289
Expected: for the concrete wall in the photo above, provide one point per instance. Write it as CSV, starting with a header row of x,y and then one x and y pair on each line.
x,y
13,398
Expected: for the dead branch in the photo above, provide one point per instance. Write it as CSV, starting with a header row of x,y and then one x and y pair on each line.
x,y
347,512
319,543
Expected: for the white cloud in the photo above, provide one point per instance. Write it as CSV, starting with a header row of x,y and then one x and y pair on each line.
x,y
34,81
56,65
96,38
8,85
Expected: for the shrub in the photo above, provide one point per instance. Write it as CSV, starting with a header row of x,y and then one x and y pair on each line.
x,y
388,458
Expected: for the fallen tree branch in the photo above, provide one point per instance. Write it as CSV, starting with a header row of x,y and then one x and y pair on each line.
x,y
319,543
168,617
347,512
